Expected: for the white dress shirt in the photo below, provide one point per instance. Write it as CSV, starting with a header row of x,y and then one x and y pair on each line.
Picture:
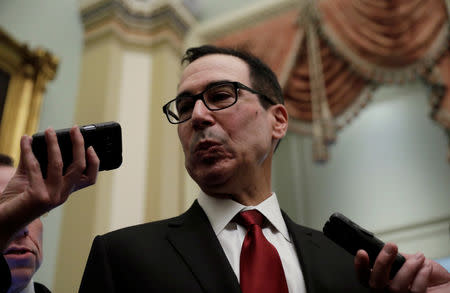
x,y
220,211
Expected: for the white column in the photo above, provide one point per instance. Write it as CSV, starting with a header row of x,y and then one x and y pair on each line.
x,y
129,183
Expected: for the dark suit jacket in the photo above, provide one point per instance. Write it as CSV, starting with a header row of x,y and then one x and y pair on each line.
x,y
39,288
183,254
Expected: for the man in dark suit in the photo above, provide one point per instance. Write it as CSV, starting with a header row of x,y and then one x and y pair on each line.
x,y
25,196
230,117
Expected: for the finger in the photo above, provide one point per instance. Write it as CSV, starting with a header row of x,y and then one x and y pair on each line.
x,y
78,164
407,273
55,162
74,173
78,152
379,278
92,170
21,165
93,166
362,266
28,163
420,282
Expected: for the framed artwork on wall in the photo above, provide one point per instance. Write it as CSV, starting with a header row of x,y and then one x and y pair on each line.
x,y
24,74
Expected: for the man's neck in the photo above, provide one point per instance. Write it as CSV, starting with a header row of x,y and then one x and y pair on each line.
x,y
252,198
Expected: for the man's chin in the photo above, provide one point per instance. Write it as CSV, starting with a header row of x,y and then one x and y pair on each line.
x,y
22,275
212,175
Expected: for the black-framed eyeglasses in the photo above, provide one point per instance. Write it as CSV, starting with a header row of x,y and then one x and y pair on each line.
x,y
217,96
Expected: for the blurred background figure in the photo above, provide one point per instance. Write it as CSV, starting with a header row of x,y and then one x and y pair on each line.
x,y
24,253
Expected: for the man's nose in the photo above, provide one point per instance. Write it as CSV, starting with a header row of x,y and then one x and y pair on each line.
x,y
201,116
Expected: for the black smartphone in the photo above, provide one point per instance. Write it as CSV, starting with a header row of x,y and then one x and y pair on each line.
x,y
353,237
105,138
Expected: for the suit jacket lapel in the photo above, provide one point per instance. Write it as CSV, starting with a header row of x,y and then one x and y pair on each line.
x,y
193,237
326,267
305,246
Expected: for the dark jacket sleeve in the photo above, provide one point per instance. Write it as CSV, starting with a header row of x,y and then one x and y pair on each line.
x,y
5,275
39,288
97,274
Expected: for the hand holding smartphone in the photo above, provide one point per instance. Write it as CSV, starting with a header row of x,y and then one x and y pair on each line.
x,y
105,138
352,237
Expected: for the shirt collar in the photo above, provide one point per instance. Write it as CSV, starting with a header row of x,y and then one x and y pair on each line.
x,y
220,211
29,288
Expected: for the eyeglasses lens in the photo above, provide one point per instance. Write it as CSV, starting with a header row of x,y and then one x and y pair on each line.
x,y
215,98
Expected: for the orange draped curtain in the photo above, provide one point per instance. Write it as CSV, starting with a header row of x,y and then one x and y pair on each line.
x,y
331,54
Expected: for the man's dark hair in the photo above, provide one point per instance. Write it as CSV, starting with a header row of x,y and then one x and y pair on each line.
x,y
262,78
6,160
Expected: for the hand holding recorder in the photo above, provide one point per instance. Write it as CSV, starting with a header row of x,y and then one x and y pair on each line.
x,y
32,192
417,274
380,266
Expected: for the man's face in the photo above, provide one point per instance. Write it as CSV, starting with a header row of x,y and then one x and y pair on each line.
x,y
24,253
231,147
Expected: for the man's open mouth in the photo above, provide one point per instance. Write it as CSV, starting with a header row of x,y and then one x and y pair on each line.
x,y
205,145
16,251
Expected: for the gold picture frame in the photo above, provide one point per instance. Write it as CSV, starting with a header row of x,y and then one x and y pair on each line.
x,y
24,74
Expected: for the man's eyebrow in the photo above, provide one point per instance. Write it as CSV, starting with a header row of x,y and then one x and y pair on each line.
x,y
209,85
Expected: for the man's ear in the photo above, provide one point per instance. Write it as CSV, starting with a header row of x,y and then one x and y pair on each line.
x,y
280,121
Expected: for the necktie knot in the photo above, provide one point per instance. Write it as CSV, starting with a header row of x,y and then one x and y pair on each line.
x,y
249,218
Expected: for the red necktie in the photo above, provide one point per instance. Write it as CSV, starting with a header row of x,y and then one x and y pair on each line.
x,y
260,265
